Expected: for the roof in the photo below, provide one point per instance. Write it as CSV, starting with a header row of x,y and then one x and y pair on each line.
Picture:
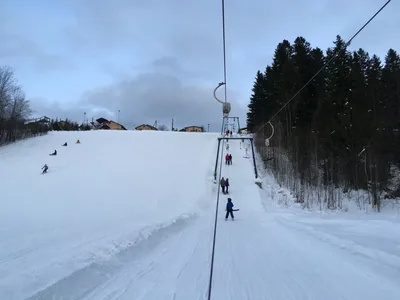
x,y
43,119
122,126
101,120
147,125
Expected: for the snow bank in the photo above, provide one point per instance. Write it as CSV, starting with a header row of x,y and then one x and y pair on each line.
x,y
351,201
97,199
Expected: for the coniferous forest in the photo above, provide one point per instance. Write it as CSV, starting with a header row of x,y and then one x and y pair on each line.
x,y
340,133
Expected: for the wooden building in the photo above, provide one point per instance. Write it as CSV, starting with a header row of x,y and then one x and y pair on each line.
x,y
145,127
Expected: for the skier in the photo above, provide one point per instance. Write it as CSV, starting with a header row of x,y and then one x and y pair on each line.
x,y
229,209
226,186
65,144
54,153
78,141
45,168
222,182
230,159
227,159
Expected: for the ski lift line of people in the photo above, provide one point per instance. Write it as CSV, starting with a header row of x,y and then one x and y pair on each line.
x,y
46,167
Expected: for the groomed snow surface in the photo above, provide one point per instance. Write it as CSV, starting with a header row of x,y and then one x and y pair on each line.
x,y
130,215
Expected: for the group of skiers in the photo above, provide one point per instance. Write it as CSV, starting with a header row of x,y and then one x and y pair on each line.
x,y
46,167
228,132
224,185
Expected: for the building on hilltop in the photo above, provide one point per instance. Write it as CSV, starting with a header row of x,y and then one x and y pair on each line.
x,y
102,123
145,127
192,128
243,131
42,120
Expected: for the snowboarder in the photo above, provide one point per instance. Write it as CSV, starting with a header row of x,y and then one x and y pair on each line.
x,y
226,186
229,209
65,144
222,183
230,159
54,153
78,141
45,168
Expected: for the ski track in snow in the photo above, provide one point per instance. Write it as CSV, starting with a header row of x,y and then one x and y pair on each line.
x,y
262,255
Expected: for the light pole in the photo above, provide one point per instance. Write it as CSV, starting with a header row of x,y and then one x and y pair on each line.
x,y
84,118
208,129
118,115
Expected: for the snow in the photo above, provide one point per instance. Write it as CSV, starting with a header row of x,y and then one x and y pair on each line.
x,y
99,197
130,215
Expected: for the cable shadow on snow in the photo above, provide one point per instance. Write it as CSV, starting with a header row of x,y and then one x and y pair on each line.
x,y
81,282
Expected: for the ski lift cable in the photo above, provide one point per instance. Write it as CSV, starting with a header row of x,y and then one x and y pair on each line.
x,y
224,45
323,67
216,220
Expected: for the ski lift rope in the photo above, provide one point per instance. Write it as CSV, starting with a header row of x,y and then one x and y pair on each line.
x,y
323,67
226,108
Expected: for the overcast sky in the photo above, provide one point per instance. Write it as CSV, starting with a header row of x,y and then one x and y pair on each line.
x,y
158,60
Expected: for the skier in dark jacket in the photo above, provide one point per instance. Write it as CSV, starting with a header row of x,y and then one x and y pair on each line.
x,y
222,183
230,159
229,209
54,153
226,186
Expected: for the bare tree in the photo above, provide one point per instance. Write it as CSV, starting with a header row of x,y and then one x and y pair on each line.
x,y
14,108
163,127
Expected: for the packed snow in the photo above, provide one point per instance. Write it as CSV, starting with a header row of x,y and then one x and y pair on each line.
x,y
130,215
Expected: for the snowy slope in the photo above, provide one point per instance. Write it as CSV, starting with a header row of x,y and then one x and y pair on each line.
x,y
266,253
99,197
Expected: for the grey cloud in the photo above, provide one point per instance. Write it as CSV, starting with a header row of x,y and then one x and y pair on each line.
x,y
72,111
20,46
156,96
161,94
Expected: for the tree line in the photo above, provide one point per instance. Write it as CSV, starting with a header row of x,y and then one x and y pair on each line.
x,y
340,133
14,108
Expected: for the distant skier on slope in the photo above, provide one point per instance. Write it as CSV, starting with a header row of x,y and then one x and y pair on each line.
x,y
226,186
65,144
229,209
227,159
230,159
54,153
222,183
45,168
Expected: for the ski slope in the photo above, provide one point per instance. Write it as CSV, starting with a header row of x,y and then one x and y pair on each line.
x,y
99,198
154,241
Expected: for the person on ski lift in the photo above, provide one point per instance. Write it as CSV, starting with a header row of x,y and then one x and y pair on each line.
x,y
222,183
226,186
45,168
54,153
229,209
